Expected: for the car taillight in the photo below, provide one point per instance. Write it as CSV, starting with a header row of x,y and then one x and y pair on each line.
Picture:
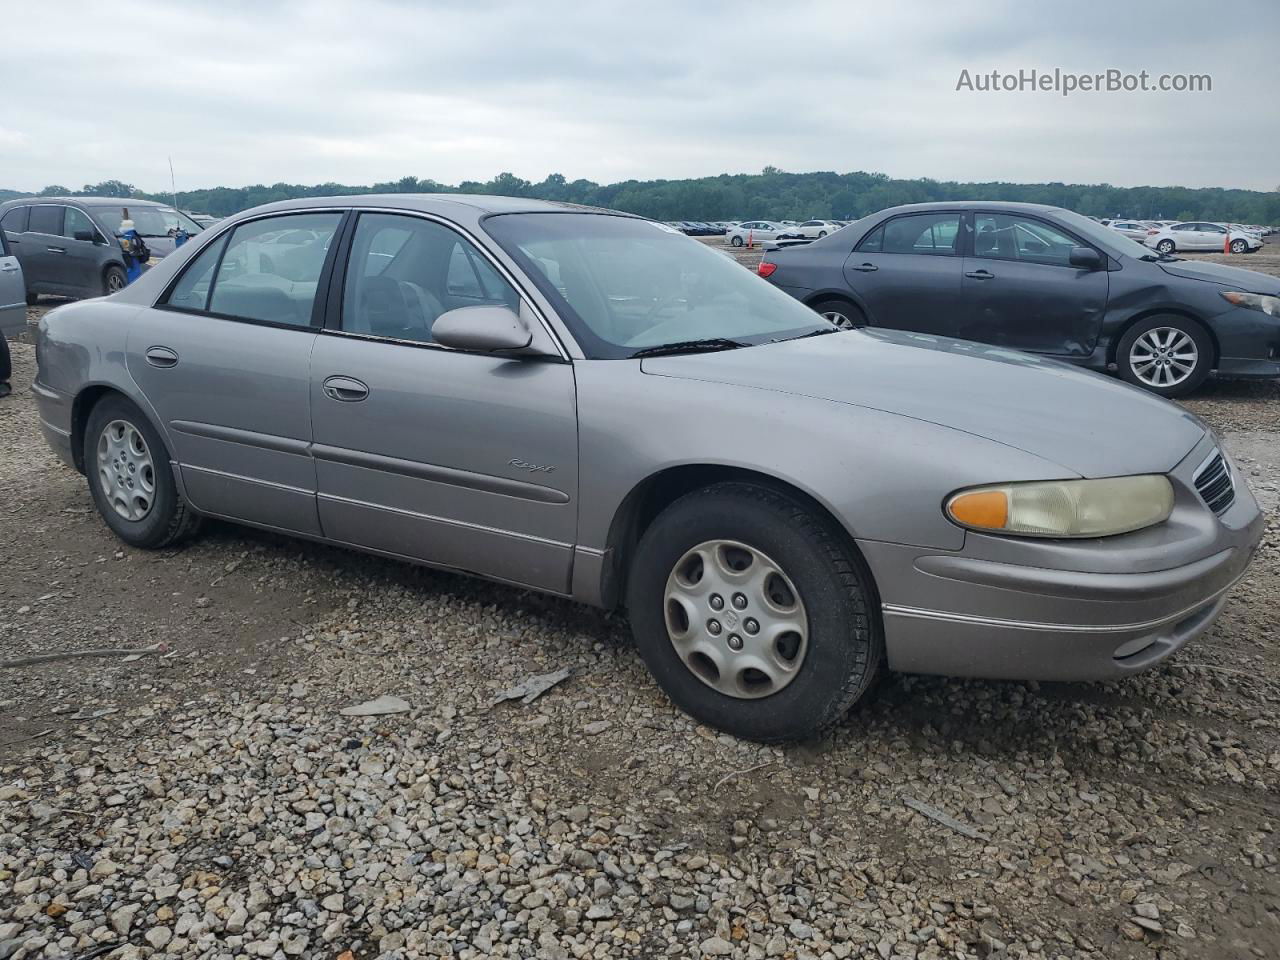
x,y
766,268
1152,233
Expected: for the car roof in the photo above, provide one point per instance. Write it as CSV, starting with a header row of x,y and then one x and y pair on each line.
x,y
92,201
998,205
438,203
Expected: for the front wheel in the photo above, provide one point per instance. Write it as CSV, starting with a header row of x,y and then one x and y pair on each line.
x,y
113,280
1165,247
1239,246
1168,355
131,478
754,613
842,313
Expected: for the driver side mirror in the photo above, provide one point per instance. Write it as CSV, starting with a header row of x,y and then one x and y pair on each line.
x,y
486,329
86,235
1086,258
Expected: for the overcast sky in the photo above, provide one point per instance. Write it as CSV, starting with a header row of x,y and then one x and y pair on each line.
x,y
247,92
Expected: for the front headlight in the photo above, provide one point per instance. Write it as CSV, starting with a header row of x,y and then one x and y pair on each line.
x,y
1064,508
1254,301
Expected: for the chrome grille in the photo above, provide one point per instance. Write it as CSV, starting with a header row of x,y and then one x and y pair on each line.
x,y
1214,484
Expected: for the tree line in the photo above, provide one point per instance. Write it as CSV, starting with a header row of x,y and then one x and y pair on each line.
x,y
772,194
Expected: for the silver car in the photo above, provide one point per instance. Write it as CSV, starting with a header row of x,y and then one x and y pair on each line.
x,y
13,304
590,404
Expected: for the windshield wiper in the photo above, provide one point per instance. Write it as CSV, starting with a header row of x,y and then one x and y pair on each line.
x,y
1159,258
822,332
690,346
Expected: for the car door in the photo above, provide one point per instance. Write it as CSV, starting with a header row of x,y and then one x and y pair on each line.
x,y
43,250
82,245
1186,236
14,227
1020,289
906,272
465,460
224,360
1213,236
13,292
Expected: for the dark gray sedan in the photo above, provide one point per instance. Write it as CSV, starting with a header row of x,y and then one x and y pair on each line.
x,y
591,405
1044,280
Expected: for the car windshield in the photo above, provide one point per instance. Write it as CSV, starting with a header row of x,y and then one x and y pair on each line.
x,y
148,221
627,286
1105,237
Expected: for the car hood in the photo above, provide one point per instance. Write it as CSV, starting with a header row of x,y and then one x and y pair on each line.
x,y
1248,280
1084,422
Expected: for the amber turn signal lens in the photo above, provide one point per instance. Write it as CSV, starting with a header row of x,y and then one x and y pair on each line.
x,y
987,509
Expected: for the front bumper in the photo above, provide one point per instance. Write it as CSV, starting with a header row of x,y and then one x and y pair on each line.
x,y
1067,610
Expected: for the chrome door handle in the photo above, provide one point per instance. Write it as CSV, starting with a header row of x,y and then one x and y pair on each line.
x,y
981,275
345,389
161,357
56,249
9,268
865,268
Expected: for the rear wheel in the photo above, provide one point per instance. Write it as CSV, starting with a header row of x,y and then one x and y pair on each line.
x,y
1168,355
754,613
821,234
131,478
32,298
1165,246
737,241
842,313
113,280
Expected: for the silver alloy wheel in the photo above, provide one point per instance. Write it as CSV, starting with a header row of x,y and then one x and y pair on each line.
x,y
1163,357
736,619
125,470
841,320
115,281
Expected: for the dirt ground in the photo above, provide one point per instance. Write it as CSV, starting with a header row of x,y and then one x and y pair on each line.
x,y
1117,820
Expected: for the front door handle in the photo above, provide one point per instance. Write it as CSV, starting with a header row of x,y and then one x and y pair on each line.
x,y
981,275
865,268
161,357
346,389
56,249
9,268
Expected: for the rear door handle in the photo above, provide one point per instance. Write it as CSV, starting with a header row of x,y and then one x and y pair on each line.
x,y
865,268
161,357
56,249
9,267
981,275
346,389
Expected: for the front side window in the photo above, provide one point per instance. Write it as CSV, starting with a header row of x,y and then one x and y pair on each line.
x,y
404,272
77,221
46,218
928,234
247,276
625,285
1003,237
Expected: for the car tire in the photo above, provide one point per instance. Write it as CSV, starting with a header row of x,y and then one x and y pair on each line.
x,y
807,568
821,234
131,478
1183,338
113,280
845,315
1165,246
737,241
1239,246
32,298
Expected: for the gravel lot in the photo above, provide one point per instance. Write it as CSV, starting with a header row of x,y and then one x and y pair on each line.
x,y
212,801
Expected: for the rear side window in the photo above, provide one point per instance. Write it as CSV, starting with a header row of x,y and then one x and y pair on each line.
x,y
928,234
15,221
259,272
46,218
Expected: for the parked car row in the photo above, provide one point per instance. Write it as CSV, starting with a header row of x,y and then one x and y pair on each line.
x,y
503,387
68,246
1043,280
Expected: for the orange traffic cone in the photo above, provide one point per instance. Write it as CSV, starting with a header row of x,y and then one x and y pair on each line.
x,y
1226,243
750,244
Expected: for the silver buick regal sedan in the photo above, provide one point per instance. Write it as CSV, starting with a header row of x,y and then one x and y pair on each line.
x,y
590,404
